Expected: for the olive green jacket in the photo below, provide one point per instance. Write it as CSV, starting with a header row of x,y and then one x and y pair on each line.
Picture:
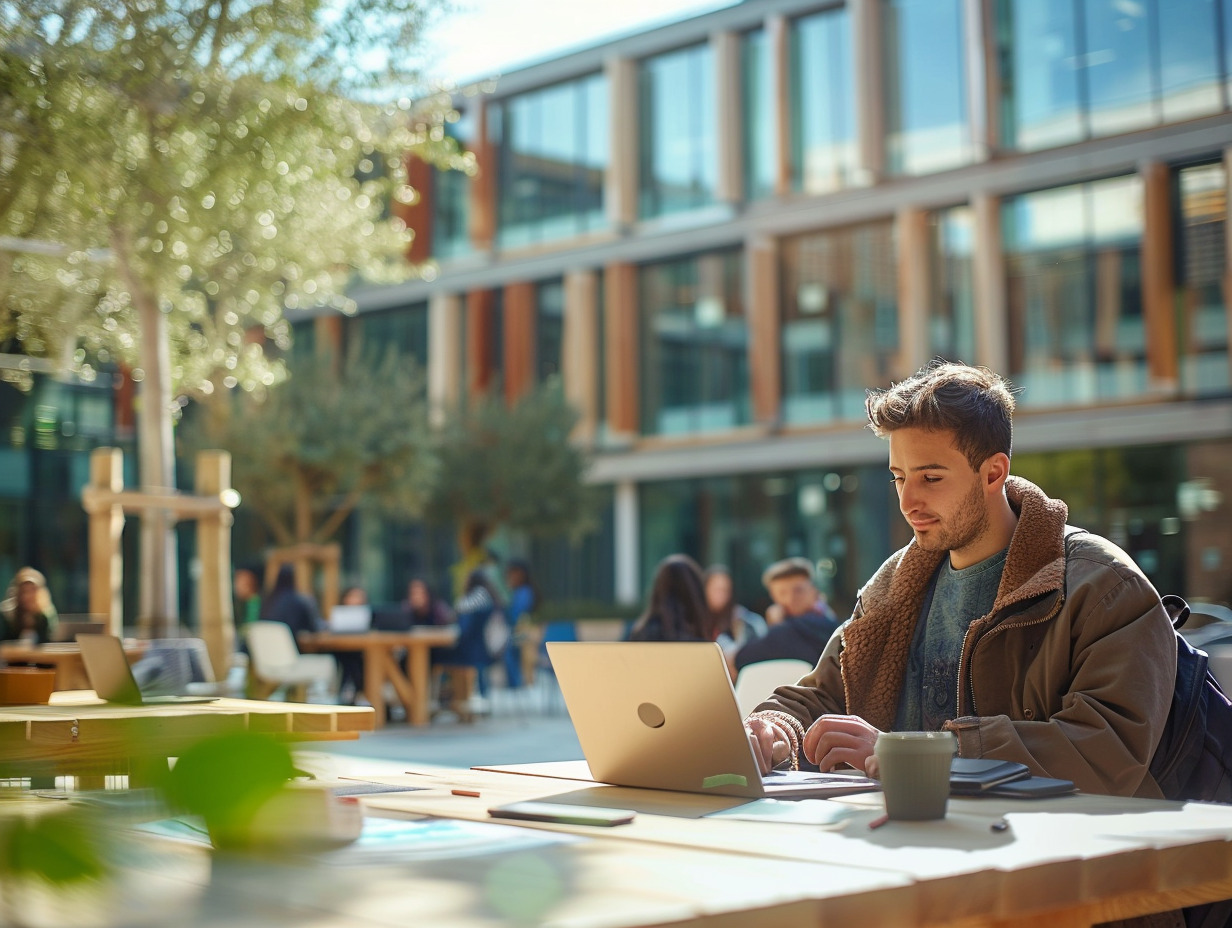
x,y
1071,672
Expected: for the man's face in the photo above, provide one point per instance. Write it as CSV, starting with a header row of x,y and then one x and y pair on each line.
x,y
796,595
941,497
245,584
27,596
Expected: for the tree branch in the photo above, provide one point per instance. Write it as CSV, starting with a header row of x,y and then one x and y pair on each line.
x,y
338,516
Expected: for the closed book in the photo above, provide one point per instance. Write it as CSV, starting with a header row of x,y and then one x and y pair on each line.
x,y
973,775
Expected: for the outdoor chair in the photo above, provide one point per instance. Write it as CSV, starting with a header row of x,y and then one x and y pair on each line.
x,y
757,681
275,663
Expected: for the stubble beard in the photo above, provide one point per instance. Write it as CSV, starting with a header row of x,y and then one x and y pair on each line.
x,y
960,530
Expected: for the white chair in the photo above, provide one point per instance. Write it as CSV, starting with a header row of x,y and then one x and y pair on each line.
x,y
275,663
757,681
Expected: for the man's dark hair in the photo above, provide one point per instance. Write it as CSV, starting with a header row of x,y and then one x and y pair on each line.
x,y
972,402
790,567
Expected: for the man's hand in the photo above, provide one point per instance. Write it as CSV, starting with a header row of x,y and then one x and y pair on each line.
x,y
769,743
842,739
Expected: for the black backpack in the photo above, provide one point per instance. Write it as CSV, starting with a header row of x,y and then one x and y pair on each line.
x,y
1194,758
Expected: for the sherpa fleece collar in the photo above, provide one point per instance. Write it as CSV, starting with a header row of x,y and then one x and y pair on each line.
x,y
876,643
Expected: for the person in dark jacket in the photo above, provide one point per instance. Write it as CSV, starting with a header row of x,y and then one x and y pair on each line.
x,y
804,623
677,610
285,604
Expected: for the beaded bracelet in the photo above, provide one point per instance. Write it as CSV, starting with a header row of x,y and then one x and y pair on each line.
x,y
793,728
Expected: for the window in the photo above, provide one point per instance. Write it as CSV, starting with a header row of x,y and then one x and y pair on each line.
x,y
552,154
1074,292
1074,69
823,123
403,330
694,345
549,328
926,87
1201,265
757,70
951,315
840,320
678,164
451,196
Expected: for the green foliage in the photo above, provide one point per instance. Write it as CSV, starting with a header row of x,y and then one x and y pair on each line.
x,y
226,779
213,159
59,847
334,436
514,467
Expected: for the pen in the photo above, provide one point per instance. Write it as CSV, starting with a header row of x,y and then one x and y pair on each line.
x,y
465,792
878,822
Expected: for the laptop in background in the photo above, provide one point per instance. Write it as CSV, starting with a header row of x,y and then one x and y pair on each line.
x,y
69,627
112,678
350,619
663,715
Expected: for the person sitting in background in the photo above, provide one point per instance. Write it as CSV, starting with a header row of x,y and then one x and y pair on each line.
x,y
736,624
478,606
350,663
423,607
805,623
677,610
247,597
523,600
292,608
27,612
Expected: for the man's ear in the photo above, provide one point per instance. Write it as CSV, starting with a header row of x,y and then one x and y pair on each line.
x,y
994,471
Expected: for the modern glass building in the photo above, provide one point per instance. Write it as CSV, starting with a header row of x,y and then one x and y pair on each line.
x,y
734,225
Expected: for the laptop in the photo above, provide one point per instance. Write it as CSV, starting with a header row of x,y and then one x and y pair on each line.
x,y
112,678
68,628
350,619
663,715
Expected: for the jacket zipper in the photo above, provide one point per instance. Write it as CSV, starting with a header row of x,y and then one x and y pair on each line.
x,y
992,631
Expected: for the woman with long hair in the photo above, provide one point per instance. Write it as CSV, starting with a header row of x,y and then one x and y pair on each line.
x,y
677,610
735,624
27,610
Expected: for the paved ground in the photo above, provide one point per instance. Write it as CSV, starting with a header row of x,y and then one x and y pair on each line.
x,y
522,727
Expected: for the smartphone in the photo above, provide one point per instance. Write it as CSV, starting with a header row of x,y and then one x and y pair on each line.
x,y
563,814
1031,788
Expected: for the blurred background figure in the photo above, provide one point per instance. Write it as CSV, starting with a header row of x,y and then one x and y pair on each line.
x,y
800,620
736,625
247,590
476,649
423,607
677,610
27,613
523,600
287,605
350,663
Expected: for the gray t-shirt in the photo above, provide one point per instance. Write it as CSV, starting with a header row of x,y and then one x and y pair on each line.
x,y
930,687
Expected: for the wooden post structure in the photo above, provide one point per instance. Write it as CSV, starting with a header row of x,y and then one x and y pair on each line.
x,y
106,525
106,502
214,608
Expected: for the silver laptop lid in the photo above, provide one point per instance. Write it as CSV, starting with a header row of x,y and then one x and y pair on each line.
x,y
350,618
660,715
108,670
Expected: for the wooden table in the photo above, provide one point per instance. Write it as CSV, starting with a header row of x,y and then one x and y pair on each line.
x,y
381,666
80,735
65,656
1070,861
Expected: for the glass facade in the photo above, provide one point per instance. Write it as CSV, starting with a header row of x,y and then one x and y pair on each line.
x,y
1074,291
1201,263
757,91
926,87
695,336
403,330
823,121
678,164
549,328
552,149
951,305
840,320
1073,69
844,519
451,197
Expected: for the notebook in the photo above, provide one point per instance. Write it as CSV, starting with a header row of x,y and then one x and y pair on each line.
x,y
350,619
663,715
112,678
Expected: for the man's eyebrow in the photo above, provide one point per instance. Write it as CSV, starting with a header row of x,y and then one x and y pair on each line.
x,y
921,467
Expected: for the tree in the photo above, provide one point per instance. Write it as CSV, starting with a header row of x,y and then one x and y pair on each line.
x,y
513,467
173,173
331,438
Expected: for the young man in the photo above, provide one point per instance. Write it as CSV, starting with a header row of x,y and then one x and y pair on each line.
x,y
803,623
1029,645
